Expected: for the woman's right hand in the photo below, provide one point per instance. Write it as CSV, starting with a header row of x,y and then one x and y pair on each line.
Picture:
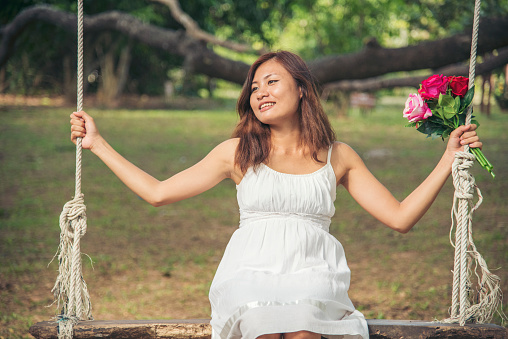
x,y
83,126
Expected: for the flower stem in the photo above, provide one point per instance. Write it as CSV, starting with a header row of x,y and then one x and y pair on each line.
x,y
482,160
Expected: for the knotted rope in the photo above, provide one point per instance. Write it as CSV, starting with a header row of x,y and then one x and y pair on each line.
x,y
70,287
488,295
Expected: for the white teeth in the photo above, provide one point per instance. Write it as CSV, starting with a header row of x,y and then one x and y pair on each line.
x,y
267,104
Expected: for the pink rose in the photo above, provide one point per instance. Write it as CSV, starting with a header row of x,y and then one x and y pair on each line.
x,y
416,109
433,86
459,85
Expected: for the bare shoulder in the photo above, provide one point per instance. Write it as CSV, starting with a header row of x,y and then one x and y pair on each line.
x,y
343,159
343,154
225,153
228,145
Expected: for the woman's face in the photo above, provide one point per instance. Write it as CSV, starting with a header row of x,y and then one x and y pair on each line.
x,y
275,96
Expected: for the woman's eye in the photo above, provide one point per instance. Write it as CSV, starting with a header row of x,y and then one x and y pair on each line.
x,y
272,82
253,89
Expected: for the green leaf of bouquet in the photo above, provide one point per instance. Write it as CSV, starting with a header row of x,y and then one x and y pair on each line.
x,y
431,103
450,109
434,118
446,100
435,135
449,113
468,98
446,133
456,105
462,119
422,128
441,113
436,113
426,128
432,129
462,105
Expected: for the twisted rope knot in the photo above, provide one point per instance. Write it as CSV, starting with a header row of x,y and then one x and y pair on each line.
x,y
488,293
463,181
73,217
70,287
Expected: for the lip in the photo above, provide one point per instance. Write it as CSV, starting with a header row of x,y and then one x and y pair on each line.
x,y
267,107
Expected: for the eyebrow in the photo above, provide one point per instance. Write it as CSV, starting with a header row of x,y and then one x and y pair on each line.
x,y
265,77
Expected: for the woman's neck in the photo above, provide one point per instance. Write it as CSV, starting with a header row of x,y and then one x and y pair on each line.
x,y
286,141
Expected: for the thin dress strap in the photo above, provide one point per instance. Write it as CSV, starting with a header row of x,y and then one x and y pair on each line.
x,y
329,154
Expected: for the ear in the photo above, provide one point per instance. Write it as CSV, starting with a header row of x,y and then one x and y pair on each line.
x,y
300,90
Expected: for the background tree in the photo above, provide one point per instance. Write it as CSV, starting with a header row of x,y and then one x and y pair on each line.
x,y
341,38
47,54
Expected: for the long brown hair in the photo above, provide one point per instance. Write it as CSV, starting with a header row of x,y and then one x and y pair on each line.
x,y
315,129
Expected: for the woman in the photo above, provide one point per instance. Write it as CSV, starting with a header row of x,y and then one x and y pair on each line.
x,y
282,274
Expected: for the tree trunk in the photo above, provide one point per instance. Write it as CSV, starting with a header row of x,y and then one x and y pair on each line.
x,y
113,75
122,69
3,83
69,79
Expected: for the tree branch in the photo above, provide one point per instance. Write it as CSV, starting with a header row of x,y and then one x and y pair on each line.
x,y
193,29
173,42
372,61
377,83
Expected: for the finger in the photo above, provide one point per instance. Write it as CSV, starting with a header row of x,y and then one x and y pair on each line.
x,y
80,129
459,131
75,135
468,135
477,144
79,115
77,122
470,127
471,139
465,141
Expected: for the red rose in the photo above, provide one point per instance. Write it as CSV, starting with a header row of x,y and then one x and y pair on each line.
x,y
459,85
433,86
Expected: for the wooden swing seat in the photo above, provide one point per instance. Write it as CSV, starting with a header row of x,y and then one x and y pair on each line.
x,y
200,329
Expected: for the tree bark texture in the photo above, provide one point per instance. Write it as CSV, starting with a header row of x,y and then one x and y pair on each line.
x,y
200,329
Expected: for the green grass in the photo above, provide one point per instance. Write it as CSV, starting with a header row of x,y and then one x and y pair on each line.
x,y
158,262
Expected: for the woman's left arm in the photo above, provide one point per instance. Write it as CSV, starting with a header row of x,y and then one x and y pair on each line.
x,y
378,201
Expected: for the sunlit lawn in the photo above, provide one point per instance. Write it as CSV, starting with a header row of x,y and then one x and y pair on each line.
x,y
158,262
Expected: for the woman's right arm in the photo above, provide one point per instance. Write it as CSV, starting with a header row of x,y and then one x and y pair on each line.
x,y
216,166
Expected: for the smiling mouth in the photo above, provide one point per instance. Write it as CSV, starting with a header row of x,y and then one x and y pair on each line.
x,y
267,104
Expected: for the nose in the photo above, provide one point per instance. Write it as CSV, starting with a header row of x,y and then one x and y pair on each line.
x,y
261,92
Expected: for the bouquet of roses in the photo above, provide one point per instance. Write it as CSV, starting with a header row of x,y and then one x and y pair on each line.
x,y
440,106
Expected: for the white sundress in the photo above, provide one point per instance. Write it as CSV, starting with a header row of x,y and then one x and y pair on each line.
x,y
282,270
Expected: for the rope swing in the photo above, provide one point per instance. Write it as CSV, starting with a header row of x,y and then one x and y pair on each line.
x,y
70,288
488,295
71,293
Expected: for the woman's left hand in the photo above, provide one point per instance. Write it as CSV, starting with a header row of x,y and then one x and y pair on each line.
x,y
463,135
